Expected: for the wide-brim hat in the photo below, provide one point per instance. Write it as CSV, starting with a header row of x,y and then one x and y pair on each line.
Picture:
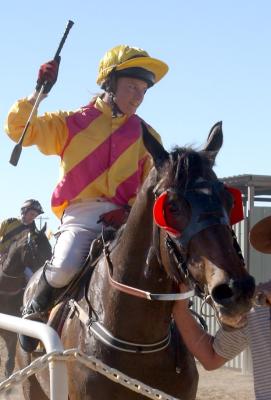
x,y
123,57
260,235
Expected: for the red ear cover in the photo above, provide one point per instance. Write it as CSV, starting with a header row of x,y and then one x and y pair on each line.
x,y
159,216
237,212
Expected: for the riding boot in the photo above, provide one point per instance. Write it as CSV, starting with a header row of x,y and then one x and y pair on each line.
x,y
43,300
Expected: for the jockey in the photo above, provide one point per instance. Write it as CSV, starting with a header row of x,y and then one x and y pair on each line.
x,y
103,161
13,229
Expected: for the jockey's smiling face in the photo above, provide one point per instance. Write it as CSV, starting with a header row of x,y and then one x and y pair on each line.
x,y
129,94
29,216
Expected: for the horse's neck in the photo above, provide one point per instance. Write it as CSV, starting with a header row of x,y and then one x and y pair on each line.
x,y
130,266
127,316
130,255
12,271
13,263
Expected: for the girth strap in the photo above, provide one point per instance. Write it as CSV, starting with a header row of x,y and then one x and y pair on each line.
x,y
105,336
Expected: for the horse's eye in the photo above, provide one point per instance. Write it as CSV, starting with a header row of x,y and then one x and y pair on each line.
x,y
173,208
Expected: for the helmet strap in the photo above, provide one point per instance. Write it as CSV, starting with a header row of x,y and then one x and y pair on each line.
x,y
116,112
110,86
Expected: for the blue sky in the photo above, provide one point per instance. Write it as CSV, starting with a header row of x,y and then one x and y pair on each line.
x,y
219,60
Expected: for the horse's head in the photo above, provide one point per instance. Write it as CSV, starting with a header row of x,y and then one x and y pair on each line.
x,y
195,211
38,248
31,250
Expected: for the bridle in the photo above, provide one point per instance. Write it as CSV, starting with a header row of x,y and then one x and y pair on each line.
x,y
203,199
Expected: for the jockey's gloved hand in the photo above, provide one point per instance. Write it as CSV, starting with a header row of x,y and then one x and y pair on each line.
x,y
114,218
48,73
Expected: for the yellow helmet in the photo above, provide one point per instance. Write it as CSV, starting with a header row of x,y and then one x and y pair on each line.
x,y
124,57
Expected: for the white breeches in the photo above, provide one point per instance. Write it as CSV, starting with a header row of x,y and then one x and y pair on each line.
x,y
78,229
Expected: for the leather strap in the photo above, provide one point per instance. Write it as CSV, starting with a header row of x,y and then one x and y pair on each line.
x,y
142,293
107,338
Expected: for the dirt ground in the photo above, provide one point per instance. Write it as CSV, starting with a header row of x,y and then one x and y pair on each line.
x,y
222,384
225,384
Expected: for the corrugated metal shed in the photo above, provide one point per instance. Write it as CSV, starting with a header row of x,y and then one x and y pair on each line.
x,y
256,191
260,183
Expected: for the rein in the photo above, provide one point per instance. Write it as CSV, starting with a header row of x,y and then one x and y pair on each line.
x,y
138,292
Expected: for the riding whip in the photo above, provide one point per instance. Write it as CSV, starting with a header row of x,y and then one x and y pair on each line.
x,y
15,155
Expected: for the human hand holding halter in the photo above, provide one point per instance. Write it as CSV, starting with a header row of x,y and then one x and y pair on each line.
x,y
48,73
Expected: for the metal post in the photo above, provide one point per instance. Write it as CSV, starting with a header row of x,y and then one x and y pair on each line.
x,y
50,339
40,219
250,207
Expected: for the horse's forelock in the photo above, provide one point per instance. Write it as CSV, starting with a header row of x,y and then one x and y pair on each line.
x,y
186,165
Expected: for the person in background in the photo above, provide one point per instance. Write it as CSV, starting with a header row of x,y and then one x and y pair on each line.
x,y
103,161
254,331
14,229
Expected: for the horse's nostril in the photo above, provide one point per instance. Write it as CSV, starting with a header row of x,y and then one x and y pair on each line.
x,y
222,294
234,291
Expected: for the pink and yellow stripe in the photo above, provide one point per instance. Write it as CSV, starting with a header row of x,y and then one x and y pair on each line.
x,y
113,169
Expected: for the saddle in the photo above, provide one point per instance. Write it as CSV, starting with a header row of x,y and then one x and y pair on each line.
x,y
79,285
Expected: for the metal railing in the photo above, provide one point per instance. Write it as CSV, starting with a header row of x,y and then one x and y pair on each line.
x,y
51,341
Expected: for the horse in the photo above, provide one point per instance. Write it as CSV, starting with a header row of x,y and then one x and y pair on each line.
x,y
178,230
25,256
